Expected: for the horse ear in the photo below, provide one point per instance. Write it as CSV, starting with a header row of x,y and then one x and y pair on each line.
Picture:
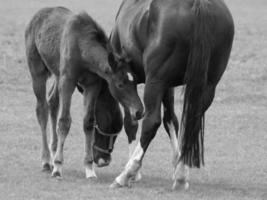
x,y
112,61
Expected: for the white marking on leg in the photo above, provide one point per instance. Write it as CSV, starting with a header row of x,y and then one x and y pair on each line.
x,y
90,171
57,170
137,177
130,76
175,147
181,176
174,143
136,156
131,167
181,171
132,146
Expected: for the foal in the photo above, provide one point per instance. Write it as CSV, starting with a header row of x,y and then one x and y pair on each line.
x,y
72,49
109,124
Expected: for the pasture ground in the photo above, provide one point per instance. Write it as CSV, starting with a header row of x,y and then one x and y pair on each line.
x,y
236,126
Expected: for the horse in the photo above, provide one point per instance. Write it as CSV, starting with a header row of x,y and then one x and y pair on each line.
x,y
109,123
170,43
73,49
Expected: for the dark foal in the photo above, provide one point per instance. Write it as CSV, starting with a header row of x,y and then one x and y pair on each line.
x,y
167,44
108,125
73,49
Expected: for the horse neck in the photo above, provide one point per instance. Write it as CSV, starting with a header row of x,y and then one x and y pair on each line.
x,y
99,65
102,68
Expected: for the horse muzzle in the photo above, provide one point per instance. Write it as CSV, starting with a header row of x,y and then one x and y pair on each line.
x,y
103,162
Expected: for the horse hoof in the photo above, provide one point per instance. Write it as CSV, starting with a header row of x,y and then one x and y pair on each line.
x,y
90,174
115,185
180,184
137,177
46,167
92,179
57,175
186,186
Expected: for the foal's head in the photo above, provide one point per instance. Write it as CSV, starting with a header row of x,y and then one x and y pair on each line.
x,y
122,86
118,75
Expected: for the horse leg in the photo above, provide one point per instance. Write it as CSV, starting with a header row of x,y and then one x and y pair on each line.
x,y
131,127
152,120
53,102
90,97
39,87
219,62
172,126
181,174
39,74
66,89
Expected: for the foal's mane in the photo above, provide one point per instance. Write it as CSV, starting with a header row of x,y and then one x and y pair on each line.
x,y
91,28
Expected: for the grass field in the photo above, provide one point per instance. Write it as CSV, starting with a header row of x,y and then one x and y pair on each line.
x,y
236,123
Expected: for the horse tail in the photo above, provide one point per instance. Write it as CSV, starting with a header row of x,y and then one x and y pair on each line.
x,y
192,147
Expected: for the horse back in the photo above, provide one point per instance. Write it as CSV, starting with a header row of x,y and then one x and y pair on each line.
x,y
171,23
44,35
82,30
175,20
177,23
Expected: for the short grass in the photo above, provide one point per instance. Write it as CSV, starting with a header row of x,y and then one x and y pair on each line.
x,y
236,128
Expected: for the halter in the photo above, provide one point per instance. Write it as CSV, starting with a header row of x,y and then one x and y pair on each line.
x,y
111,139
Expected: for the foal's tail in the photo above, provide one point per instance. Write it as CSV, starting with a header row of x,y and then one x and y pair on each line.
x,y
192,152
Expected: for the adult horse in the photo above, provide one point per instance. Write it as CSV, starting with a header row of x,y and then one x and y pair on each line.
x,y
170,43
73,49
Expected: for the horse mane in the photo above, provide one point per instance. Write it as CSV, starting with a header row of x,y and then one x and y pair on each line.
x,y
90,27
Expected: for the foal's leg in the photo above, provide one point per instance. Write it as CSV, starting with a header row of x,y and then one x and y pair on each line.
x,y
39,87
53,102
90,96
66,89
39,75
152,99
131,127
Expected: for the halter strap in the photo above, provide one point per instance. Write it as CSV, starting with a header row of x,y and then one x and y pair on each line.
x,y
101,150
105,134
110,135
